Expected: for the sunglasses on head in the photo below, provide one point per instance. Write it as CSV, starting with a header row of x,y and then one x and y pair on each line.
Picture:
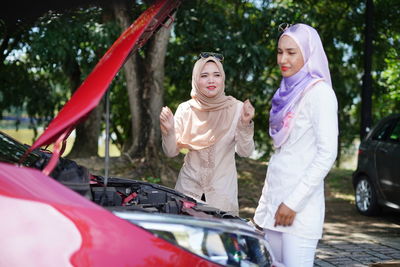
x,y
218,56
284,26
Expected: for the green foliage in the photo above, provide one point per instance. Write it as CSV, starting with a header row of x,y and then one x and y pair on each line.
x,y
38,79
245,32
43,57
388,97
19,94
340,25
339,184
152,179
233,28
83,39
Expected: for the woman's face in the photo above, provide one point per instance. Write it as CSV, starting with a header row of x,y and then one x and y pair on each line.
x,y
290,59
210,81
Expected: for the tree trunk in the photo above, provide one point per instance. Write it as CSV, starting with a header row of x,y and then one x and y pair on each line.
x,y
3,47
366,91
133,84
154,87
339,153
144,78
87,133
154,94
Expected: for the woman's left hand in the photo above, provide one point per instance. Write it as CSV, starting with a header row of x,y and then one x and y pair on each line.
x,y
247,112
284,216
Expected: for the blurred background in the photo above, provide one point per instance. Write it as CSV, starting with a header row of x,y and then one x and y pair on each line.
x,y
48,49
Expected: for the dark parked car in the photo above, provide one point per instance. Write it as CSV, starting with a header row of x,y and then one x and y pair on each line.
x,y
377,178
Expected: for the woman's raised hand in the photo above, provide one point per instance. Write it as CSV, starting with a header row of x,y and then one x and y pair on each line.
x,y
166,121
247,112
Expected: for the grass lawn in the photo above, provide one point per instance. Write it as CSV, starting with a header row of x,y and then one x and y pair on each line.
x,y
338,185
251,176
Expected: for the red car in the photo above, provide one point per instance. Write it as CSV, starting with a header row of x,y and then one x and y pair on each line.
x,y
46,224
130,221
108,221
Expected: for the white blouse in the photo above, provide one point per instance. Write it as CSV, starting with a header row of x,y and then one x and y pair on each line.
x,y
297,169
212,171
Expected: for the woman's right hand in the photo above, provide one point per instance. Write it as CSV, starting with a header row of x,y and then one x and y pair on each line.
x,y
166,121
284,215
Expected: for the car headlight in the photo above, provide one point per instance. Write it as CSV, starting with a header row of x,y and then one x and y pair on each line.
x,y
221,241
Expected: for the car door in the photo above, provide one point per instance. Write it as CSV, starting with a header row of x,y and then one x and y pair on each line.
x,y
387,159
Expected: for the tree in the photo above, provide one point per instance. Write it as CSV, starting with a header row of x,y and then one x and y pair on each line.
x,y
239,30
21,88
68,56
65,58
62,59
144,77
386,64
366,90
53,61
245,31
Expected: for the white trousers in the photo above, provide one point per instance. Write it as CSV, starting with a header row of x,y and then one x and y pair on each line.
x,y
291,250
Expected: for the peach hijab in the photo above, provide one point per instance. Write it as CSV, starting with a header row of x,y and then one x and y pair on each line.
x,y
209,118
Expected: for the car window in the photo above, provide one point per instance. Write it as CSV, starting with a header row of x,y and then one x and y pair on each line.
x,y
383,131
395,134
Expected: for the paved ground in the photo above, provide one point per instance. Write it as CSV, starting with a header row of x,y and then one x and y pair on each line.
x,y
354,240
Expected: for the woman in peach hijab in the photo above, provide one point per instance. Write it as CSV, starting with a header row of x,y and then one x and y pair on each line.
x,y
212,126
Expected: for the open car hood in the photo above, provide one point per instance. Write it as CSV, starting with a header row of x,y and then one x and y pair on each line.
x,y
233,244
89,94
120,194
124,194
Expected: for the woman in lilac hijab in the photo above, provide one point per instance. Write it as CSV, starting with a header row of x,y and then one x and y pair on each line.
x,y
304,129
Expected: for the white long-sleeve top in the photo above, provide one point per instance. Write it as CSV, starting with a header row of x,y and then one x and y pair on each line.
x,y
297,169
212,171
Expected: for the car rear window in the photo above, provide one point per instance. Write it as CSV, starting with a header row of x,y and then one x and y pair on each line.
x,y
383,131
395,134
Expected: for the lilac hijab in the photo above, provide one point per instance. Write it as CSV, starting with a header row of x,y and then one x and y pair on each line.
x,y
286,98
